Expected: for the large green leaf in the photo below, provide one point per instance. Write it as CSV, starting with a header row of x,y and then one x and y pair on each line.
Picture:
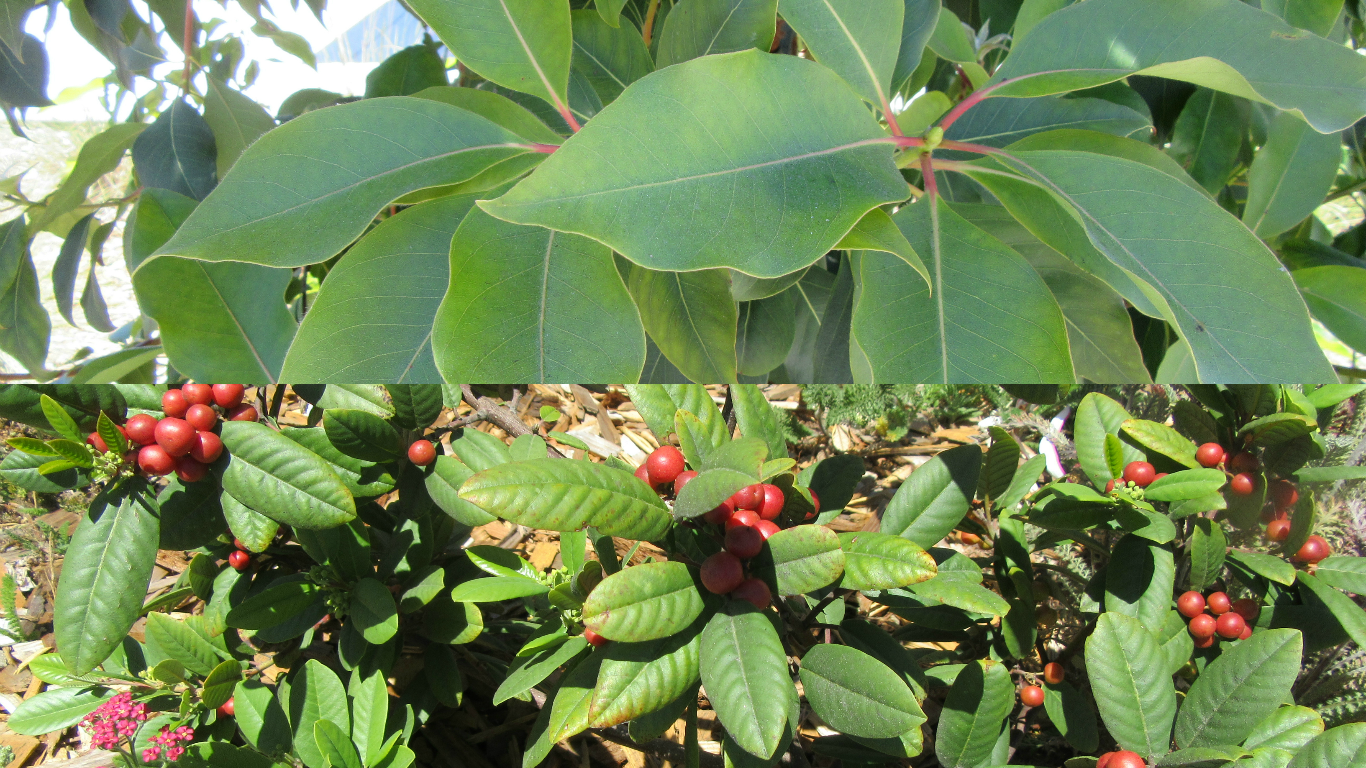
x,y
105,575
1292,172
857,694
639,678
362,478
921,18
253,529
611,57
935,497
744,669
765,332
191,515
24,324
981,697
361,435
345,163
986,313
1344,572
531,304
1073,714
643,603
1207,547
756,418
1092,43
875,560
273,606
1289,727
1343,608
1343,745
692,318
281,479
524,45
734,178
1208,137
1335,294
443,485
315,693
563,495
181,643
373,611
859,39
538,667
709,27
998,122
799,560
1247,683
177,152
496,107
56,709
1097,416
22,469
99,155
1163,440
1138,706
1139,580
236,122
372,321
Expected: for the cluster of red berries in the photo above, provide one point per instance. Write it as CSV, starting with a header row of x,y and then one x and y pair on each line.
x,y
1229,620
422,452
1121,759
1140,473
184,441
240,559
1242,467
1032,695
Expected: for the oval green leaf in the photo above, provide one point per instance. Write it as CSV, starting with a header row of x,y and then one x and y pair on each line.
x,y
857,694
799,560
281,479
643,603
874,560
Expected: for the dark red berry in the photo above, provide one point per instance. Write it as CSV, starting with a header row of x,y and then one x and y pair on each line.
x,y
1190,604
189,470
1205,642
95,441
207,447
1218,603
1278,530
238,543
175,436
1230,625
422,453
228,395
742,517
141,429
766,528
744,541
815,500
720,514
201,417
1110,487
1209,455
642,473
771,505
1053,673
154,460
755,591
1247,632
1314,549
198,393
227,709
1202,626
1031,696
749,497
243,412
1284,494
1243,484
722,572
682,480
239,560
174,404
1244,462
664,465
593,638
1248,609
1140,473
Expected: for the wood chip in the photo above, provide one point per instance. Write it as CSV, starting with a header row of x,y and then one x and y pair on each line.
x,y
543,554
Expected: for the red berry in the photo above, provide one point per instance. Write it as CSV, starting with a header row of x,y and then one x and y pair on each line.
x,y
1125,759
141,429
1243,484
1110,486
1190,604
1202,626
1230,625
1218,603
201,417
1031,696
643,474
175,435
969,538
239,560
742,517
815,500
227,709
593,638
198,393
755,591
772,504
207,447
1053,673
1140,473
720,514
1278,530
664,465
422,453
1104,760
95,441
174,404
682,480
1159,476
722,572
1248,609
243,412
1284,494
749,497
154,460
744,541
1209,455
1244,462
1205,642
189,470
1247,632
238,543
228,395
766,528
1313,550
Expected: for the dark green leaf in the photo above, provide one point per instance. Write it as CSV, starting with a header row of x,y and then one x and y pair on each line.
x,y
24,324
935,497
563,495
1207,547
1247,683
978,702
56,710
1138,707
709,27
284,481
177,152
857,694
404,73
610,56
692,318
744,670
272,606
362,435
1343,745
643,603
639,678
1072,714
874,561
315,693
1139,580
1290,175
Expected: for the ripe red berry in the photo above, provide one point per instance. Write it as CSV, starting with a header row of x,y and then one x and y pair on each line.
x,y
772,503
1110,486
642,473
1140,473
228,395
243,412
95,441
1218,603
722,572
1209,455
227,709
1315,548
766,528
207,447
198,393
682,480
593,638
664,464
1247,632
742,517
1248,609
1230,625
1278,530
1206,642
174,404
201,417
749,497
1202,626
175,435
238,543
721,513
1053,673
1159,476
141,429
154,460
1244,462
1125,759
1104,760
1284,494
744,541
1031,696
1190,604
755,591
239,560
422,453
189,470
1243,484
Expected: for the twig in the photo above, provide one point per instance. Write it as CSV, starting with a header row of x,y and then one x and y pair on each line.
x,y
647,31
189,44
486,409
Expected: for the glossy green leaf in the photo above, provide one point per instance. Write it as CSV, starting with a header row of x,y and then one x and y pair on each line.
x,y
692,318
999,464
1208,136
1073,715
569,712
1288,727
877,231
1267,566
1329,474
962,594
766,329
708,27
935,497
1335,295
220,683
68,262
528,303
1162,439
857,694
22,469
315,693
56,709
335,745
1138,707
799,560
639,678
1088,45
744,670
972,320
236,122
1247,683
177,152
349,161
609,55
1185,484
252,528
563,495
519,44
373,611
1098,416
1290,175
181,643
858,40
1343,608
999,122
645,602
443,484
496,589
260,716
917,25
1343,745
1207,546
874,560
105,574
1344,572
538,667
361,435
362,478
1139,580
977,705
283,480
740,190
272,606
406,72
497,561
24,324
756,418
480,450
951,41
713,487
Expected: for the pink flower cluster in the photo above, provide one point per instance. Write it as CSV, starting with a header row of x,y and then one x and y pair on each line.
x,y
116,719
171,740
